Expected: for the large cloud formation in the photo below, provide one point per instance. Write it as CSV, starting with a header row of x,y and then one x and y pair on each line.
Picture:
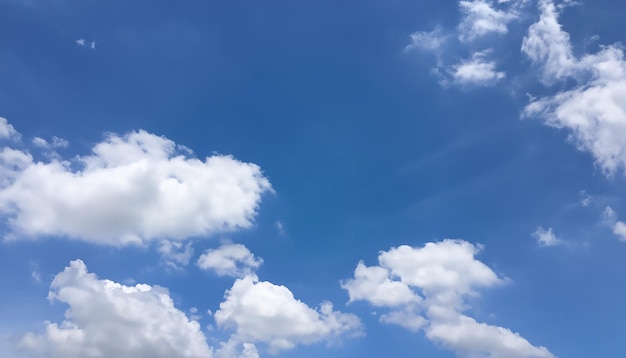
x,y
426,288
108,319
260,311
594,110
131,189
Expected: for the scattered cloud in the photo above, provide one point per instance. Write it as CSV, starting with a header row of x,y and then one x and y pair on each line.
x,y
547,45
620,230
175,254
260,311
593,111
480,18
476,71
108,319
233,260
585,198
424,40
35,273
609,218
84,43
546,237
55,143
132,189
429,288
6,130
280,227
233,348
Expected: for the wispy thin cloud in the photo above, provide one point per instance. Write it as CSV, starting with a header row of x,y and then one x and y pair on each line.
x,y
87,44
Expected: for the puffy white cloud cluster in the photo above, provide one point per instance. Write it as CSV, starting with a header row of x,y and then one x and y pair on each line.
x,y
108,319
263,312
477,71
131,189
483,17
593,111
427,289
260,311
479,18
233,260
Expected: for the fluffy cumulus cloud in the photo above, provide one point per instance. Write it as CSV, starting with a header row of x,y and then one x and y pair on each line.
x,y
131,189
260,311
478,19
233,260
430,286
108,319
476,71
594,110
546,237
483,17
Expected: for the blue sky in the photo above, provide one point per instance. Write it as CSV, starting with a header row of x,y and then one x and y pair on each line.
x,y
356,179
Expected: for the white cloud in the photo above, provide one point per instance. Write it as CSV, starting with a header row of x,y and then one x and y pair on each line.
x,y
175,253
7,130
374,285
473,339
609,218
480,18
594,111
620,230
441,276
585,198
431,41
132,189
233,348
546,237
280,227
84,43
233,260
476,71
260,311
547,45
56,143
108,319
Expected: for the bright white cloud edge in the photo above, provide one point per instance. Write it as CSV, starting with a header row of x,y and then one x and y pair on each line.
x,y
428,289
260,311
109,319
233,260
594,111
131,189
